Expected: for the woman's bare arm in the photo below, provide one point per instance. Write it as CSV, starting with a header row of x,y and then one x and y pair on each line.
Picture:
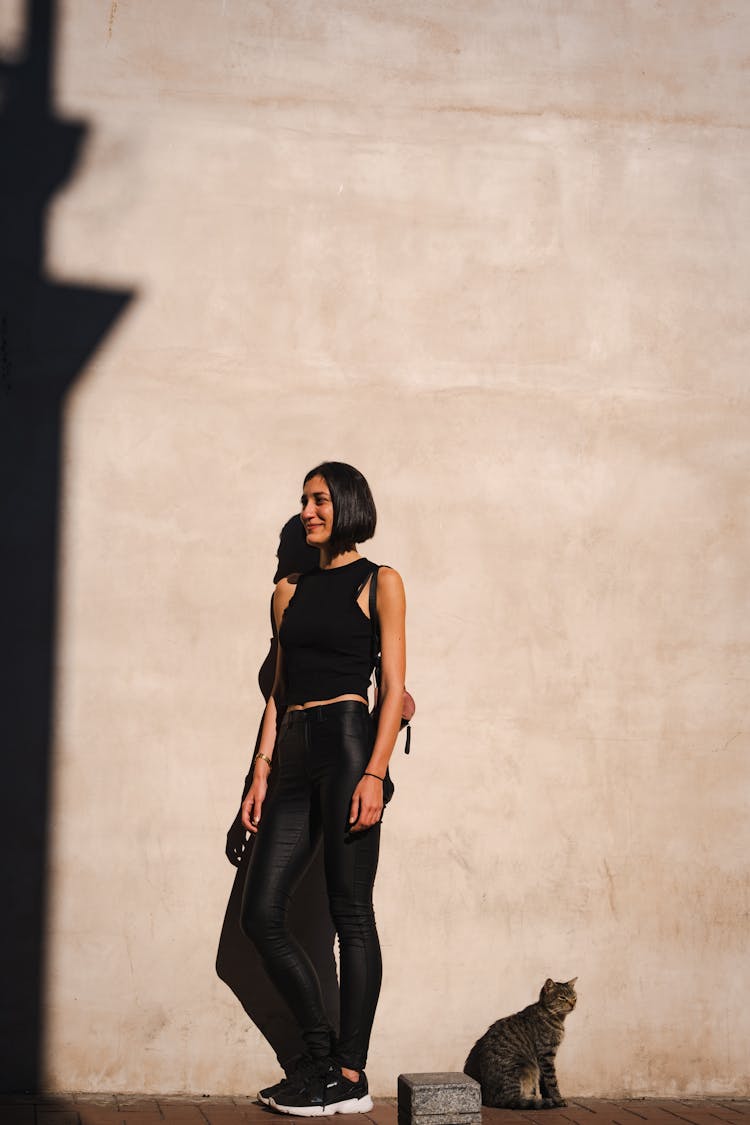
x,y
367,799
252,805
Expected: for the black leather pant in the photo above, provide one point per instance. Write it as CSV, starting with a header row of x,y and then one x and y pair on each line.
x,y
320,756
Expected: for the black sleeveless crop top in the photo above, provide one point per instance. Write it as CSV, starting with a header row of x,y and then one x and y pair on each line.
x,y
325,636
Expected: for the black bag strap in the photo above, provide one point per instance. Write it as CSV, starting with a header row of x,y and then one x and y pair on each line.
x,y
375,622
372,575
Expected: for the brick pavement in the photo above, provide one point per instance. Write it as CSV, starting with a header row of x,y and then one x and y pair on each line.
x,y
117,1109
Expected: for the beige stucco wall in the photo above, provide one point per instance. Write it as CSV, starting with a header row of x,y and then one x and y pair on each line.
x,y
496,255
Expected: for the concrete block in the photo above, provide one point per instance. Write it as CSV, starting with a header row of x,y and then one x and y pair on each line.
x,y
445,1098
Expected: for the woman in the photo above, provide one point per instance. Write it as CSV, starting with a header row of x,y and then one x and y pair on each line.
x,y
329,765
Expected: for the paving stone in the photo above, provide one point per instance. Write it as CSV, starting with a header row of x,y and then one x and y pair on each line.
x,y
17,1114
441,1092
558,1115
99,1115
679,1111
48,1116
224,1115
630,1108
452,1117
596,1107
384,1113
654,1110
256,1114
187,1113
491,1115
703,1117
98,1109
577,1113
723,1109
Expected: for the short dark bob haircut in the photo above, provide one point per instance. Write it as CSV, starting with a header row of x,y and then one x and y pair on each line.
x,y
354,515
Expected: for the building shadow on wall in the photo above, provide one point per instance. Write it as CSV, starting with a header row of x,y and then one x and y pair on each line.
x,y
238,963
49,332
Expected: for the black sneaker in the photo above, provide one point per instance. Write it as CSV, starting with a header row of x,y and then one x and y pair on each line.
x,y
304,1069
325,1095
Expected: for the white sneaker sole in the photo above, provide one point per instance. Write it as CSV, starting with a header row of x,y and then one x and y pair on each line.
x,y
352,1105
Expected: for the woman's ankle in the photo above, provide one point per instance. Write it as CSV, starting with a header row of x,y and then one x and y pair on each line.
x,y
352,1075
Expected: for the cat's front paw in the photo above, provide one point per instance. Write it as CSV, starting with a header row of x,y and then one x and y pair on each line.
x,y
559,1103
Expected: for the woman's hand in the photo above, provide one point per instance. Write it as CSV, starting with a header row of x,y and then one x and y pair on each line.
x,y
252,806
367,804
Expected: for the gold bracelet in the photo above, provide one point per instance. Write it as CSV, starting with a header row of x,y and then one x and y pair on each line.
x,y
264,757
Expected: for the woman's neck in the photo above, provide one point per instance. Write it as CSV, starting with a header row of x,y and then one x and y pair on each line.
x,y
330,562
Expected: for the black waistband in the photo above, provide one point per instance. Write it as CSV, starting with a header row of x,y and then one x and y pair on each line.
x,y
323,711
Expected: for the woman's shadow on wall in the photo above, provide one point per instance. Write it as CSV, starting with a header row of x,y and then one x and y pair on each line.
x,y
238,963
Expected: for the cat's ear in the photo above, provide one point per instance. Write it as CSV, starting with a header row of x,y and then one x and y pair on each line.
x,y
548,984
572,983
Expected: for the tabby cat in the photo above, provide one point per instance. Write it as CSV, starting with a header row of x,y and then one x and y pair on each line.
x,y
514,1061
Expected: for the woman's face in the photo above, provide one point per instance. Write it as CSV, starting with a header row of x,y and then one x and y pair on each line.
x,y
317,512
